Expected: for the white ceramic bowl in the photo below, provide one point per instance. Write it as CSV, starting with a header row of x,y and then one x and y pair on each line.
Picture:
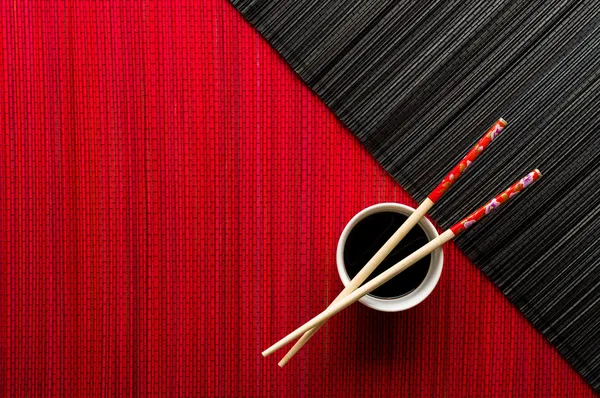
x,y
425,288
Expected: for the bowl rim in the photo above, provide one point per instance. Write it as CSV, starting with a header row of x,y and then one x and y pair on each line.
x,y
431,279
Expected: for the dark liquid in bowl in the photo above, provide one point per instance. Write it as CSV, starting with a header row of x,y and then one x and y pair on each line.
x,y
369,235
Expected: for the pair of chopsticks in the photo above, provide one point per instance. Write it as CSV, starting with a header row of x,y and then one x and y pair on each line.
x,y
354,291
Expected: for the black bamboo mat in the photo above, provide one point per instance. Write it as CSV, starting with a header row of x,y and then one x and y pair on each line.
x,y
418,82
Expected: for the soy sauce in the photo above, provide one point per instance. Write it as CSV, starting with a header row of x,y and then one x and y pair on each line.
x,y
369,235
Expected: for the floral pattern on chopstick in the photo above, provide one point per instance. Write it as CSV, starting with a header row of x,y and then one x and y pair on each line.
x,y
477,215
469,158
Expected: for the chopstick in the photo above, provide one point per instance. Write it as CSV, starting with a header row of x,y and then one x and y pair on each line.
x,y
446,236
405,228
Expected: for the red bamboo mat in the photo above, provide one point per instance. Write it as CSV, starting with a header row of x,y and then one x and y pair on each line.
x,y
171,197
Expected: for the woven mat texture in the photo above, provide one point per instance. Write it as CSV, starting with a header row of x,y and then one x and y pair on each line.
x,y
418,82
171,198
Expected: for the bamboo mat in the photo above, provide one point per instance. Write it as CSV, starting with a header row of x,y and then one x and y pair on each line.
x,y
171,199
418,82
